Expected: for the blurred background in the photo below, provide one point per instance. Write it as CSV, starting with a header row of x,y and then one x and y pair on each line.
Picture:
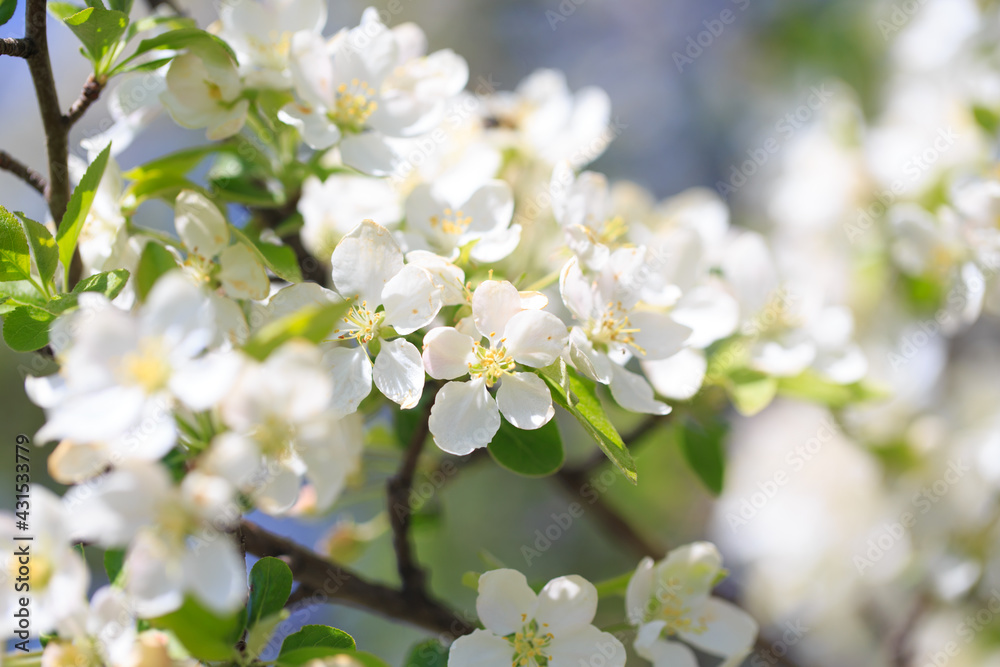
x,y
687,113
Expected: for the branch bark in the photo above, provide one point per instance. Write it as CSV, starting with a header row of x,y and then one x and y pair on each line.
x,y
91,91
322,580
18,48
400,513
9,163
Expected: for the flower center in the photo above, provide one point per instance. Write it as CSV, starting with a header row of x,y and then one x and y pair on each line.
x,y
363,324
352,106
64,654
274,436
146,366
492,363
607,232
529,646
667,605
613,327
453,222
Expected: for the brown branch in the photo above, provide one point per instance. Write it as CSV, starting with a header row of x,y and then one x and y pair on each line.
x,y
400,512
91,91
321,580
9,163
153,4
18,48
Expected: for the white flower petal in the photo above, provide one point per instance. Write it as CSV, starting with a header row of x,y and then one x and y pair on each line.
x,y
200,224
710,313
649,645
730,632
566,604
351,371
278,491
587,646
242,275
638,592
505,601
658,335
369,153
525,401
411,300
480,649
317,131
154,576
632,392
447,353
678,376
364,261
535,338
493,304
399,372
464,417
216,574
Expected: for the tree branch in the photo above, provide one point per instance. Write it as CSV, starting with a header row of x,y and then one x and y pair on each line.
x,y
321,580
9,163
400,512
18,48
91,91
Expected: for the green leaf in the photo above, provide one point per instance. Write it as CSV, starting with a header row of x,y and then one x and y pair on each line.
x,y
7,8
205,45
123,6
809,386
63,10
43,246
313,641
262,631
26,328
314,323
242,181
702,445
109,283
98,29
430,653
78,208
279,258
164,186
751,391
270,586
987,118
204,635
154,261
177,163
114,561
536,453
20,293
15,259
578,395
149,22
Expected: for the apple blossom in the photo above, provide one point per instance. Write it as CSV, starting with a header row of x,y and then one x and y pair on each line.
x,y
204,90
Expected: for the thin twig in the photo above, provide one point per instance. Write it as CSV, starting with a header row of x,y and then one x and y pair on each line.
x,y
17,47
321,580
153,4
400,512
9,163
91,91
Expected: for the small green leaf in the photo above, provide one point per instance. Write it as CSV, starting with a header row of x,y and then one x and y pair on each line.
x,y
145,23
204,635
809,386
987,118
98,29
79,207
109,283
702,445
578,395
63,10
177,163
205,45
430,653
260,634
20,293
7,8
114,562
15,259
751,391
154,261
43,246
536,453
313,323
279,258
313,641
123,6
26,328
270,586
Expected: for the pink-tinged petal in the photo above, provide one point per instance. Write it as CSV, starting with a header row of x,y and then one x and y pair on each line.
x,y
493,304
586,646
525,401
480,649
632,392
566,604
535,338
464,417
411,300
447,353
364,261
506,601
399,372
729,632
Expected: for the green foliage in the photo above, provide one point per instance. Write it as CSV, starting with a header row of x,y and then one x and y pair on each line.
x,y
43,246
313,323
154,261
109,283
205,635
312,642
270,586
7,8
114,562
15,258
99,30
78,208
750,391
430,653
280,259
702,446
534,453
578,395
26,328
809,386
